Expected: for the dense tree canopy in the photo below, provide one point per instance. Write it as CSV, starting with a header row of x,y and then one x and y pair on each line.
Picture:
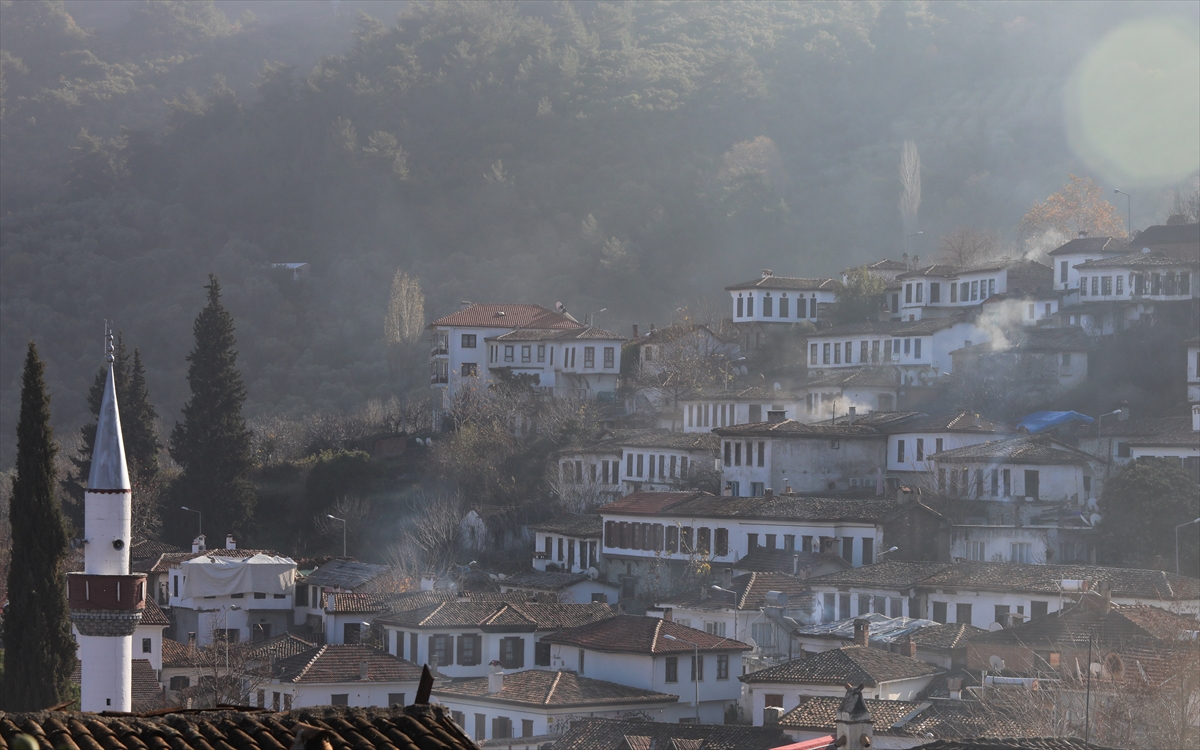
x,y
1140,509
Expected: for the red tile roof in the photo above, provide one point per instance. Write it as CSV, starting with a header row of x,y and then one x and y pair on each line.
x,y
153,614
507,316
849,664
642,635
648,503
343,663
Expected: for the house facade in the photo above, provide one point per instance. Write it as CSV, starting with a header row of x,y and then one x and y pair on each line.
x,y
582,363
912,443
1082,249
569,543
241,595
666,461
726,408
807,458
919,349
1031,468
346,675
781,299
943,290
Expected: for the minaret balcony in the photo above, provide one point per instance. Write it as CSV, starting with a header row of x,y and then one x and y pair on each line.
x,y
86,591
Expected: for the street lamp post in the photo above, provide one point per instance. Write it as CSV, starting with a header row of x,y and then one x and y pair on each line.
x,y
1099,420
725,367
199,519
886,552
1177,528
330,515
592,316
909,237
1128,210
736,608
695,669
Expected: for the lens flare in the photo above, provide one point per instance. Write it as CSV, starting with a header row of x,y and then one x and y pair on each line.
x,y
1132,105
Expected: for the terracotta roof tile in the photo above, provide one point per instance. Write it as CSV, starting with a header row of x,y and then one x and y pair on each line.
x,y
1085,245
344,574
342,663
881,376
613,734
544,580
820,713
357,601
789,283
1169,234
1139,259
779,507
514,617
154,615
958,421
426,726
649,503
946,637
175,654
281,647
1012,743
586,333
688,441
541,687
790,428
147,548
1029,449
572,524
763,560
853,664
642,635
750,589
506,316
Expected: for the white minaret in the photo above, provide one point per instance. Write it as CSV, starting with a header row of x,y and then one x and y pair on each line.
x,y
106,601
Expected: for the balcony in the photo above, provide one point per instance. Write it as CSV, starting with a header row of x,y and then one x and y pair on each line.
x,y
441,349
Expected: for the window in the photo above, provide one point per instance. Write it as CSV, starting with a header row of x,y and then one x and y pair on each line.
x,y
470,369
526,353
396,699
739,307
975,551
685,540
179,683
508,352
962,613
589,356
302,596
1096,285
875,352
1021,552
715,628
812,308
868,550
512,653
260,595
441,649
720,542
581,655
848,549
991,287
750,306
768,306
1120,285
939,612
916,348
737,454
908,296
895,302
995,482
526,727
825,348
541,353
828,614
920,292
501,728
920,449
837,354
964,294
459,718
935,292
1083,286
783,306
953,292
480,727
672,669
757,489
147,645
703,535
609,357
1063,268
1185,283
812,354
698,668
339,699
1066,359
1002,611
672,538
1038,609
880,605
722,665
469,648
907,346
1031,483
640,468
843,606
899,451
1106,285
468,341
1123,450
974,290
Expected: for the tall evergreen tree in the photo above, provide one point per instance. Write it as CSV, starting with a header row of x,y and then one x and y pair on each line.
x,y
39,652
212,444
139,423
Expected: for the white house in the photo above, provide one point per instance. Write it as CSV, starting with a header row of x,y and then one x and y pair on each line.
x,y
582,362
1031,468
1120,291
1121,439
729,407
1082,249
833,393
665,461
781,299
148,637
804,457
981,593
885,269
461,638
920,349
911,443
882,674
943,290
1045,359
1193,369
539,703
568,543
245,595
458,356
564,588
338,576
657,655
346,675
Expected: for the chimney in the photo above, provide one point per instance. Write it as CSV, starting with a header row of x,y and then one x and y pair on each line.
x,y
954,685
862,630
635,332
795,565
362,669
191,644
727,579
495,678
229,543
329,601
1124,409
464,304
787,486
852,414
728,491
1082,233
198,544
651,328
1106,596
853,727
910,648
767,273
769,493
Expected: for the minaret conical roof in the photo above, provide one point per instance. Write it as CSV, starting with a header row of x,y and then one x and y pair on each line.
x,y
109,471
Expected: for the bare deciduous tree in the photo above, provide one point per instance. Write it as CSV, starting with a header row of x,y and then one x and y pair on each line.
x,y
406,310
355,515
1185,203
910,183
966,247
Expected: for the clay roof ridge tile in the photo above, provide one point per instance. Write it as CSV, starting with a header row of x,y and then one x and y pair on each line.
x,y
553,686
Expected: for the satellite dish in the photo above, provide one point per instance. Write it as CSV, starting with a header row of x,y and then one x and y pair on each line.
x,y
593,574
778,387
996,662
995,626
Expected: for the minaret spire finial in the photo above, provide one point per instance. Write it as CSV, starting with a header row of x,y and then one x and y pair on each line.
x,y
108,343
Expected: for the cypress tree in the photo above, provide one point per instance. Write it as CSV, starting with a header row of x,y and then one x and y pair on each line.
x,y
39,652
212,444
139,423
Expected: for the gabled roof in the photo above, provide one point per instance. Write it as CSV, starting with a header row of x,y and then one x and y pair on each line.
x,y
786,283
942,270
572,524
890,574
635,634
749,593
349,602
859,665
424,726
175,654
780,507
621,734
1028,449
145,549
153,614
506,316
687,441
946,637
1140,259
586,333
344,574
1169,234
1089,245
1035,338
882,630
543,580
956,421
750,393
1143,431
649,503
1087,621
499,617
879,376
894,328
889,420
790,428
343,663
1011,743
819,713
764,560
541,688
281,647
880,265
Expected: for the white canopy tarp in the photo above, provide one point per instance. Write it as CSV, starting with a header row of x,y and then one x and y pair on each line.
x,y
222,576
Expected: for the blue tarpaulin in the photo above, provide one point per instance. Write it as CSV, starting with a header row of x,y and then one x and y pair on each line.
x,y
1041,421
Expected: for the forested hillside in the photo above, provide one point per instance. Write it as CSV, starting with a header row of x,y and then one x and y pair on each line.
x,y
629,156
